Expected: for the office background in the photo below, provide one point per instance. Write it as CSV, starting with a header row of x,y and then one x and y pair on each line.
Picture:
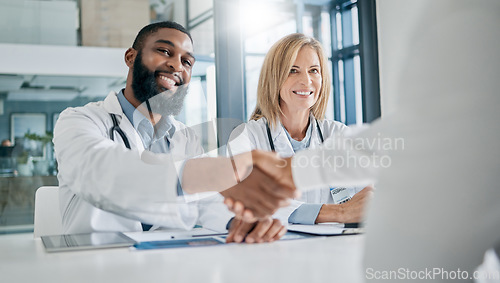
x,y
61,53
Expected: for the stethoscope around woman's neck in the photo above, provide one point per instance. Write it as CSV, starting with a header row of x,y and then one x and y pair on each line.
x,y
270,138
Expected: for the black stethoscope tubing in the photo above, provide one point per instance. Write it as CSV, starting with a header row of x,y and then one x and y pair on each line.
x,y
120,132
270,138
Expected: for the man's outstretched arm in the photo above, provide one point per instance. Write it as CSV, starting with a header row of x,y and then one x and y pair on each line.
x,y
242,179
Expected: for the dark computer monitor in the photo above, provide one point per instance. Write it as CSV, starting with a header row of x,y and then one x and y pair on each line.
x,y
6,151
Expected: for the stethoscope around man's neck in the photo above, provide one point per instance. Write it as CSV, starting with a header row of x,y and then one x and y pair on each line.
x,y
270,138
116,127
120,132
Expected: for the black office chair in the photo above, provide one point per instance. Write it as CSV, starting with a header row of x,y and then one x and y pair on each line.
x,y
7,162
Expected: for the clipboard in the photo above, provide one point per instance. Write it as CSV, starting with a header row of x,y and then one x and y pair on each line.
x,y
327,229
180,243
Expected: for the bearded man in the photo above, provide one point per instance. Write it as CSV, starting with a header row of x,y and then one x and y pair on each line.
x,y
122,160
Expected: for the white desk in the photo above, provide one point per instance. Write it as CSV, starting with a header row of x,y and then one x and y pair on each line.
x,y
321,259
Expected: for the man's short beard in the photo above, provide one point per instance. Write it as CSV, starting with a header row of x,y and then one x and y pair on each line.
x,y
168,103
145,88
143,81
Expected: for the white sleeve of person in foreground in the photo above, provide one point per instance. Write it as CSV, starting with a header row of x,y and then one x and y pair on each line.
x,y
347,160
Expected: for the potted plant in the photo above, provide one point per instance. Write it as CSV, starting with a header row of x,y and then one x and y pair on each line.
x,y
24,164
41,164
44,139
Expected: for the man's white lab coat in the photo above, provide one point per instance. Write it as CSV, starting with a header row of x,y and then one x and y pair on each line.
x,y
106,187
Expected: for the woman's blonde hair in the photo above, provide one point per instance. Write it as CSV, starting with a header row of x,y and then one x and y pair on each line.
x,y
275,70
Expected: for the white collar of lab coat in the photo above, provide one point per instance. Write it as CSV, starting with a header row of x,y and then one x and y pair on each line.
x,y
112,106
281,143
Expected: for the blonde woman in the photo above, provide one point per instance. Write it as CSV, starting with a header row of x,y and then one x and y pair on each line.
x,y
292,96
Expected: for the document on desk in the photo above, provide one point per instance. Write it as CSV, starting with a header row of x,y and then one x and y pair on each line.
x,y
324,229
180,243
176,238
170,234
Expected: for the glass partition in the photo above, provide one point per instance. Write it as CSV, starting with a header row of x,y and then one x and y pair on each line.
x,y
66,53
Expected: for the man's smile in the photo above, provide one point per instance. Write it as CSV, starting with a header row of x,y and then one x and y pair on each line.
x,y
168,81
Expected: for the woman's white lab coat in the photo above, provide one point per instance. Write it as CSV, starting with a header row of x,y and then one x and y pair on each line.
x,y
253,135
106,187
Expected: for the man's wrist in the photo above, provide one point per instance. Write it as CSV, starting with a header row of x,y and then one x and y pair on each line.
x,y
243,164
331,213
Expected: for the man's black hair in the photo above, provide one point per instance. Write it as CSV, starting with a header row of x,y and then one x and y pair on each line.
x,y
154,27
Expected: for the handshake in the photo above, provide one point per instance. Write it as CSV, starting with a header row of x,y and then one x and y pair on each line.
x,y
266,185
254,184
